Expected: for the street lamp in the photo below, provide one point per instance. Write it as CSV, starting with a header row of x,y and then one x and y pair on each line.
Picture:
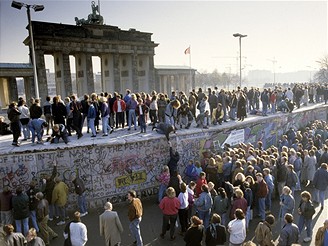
x,y
240,36
37,8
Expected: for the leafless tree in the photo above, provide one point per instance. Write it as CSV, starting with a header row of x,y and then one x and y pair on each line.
x,y
322,75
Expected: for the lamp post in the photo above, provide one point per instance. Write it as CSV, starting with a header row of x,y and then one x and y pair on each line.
x,y
311,68
240,36
37,8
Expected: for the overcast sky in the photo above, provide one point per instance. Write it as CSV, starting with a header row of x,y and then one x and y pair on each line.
x,y
294,32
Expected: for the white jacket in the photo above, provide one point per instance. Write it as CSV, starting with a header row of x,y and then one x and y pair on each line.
x,y
78,233
237,229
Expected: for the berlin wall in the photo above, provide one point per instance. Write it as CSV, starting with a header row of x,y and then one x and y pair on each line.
x,y
109,171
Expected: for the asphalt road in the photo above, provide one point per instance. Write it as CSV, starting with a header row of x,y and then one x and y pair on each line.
x,y
152,222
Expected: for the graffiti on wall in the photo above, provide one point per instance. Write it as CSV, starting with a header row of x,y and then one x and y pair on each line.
x,y
109,171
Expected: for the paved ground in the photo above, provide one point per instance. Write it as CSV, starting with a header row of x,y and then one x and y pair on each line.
x,y
152,221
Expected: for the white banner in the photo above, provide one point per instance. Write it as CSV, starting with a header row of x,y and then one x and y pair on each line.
x,y
235,137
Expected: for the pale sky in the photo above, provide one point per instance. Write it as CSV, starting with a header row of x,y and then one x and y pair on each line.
x,y
294,32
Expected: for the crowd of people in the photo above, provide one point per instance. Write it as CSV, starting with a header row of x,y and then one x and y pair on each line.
x,y
47,201
227,190
166,113
214,200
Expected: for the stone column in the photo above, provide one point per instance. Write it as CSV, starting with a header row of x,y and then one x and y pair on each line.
x,y
134,72
84,74
151,73
182,83
117,72
59,80
165,84
12,89
42,75
107,72
176,83
89,72
160,87
4,95
67,75
29,88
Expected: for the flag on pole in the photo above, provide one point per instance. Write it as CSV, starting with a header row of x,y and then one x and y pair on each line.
x,y
187,51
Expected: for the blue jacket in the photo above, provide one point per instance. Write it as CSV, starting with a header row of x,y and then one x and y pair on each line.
x,y
288,204
36,124
204,202
288,235
227,169
320,180
92,112
269,179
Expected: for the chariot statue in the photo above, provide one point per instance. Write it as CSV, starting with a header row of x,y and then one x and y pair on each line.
x,y
93,18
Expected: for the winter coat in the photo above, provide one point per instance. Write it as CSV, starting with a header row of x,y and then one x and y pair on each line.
x,y
288,235
311,167
20,206
204,202
263,234
59,194
173,162
320,180
110,227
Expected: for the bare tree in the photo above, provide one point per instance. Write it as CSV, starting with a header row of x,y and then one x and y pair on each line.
x,y
322,75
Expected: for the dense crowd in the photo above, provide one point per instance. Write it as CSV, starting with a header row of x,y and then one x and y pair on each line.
x,y
213,201
228,189
165,112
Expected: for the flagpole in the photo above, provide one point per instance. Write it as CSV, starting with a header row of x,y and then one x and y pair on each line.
x,y
190,67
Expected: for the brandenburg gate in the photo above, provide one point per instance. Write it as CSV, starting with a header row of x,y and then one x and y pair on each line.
x,y
127,57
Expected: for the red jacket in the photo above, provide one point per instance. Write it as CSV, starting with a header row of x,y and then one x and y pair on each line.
x,y
238,203
123,105
199,184
170,206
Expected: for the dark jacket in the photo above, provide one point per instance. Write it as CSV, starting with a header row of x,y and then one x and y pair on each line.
x,y
262,189
13,114
307,209
320,180
219,232
35,111
20,206
79,186
173,162
50,185
281,172
59,113
5,201
194,236
31,195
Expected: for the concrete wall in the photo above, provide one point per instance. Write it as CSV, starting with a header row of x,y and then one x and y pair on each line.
x,y
109,171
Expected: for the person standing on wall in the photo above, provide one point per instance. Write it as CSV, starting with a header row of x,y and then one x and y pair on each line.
x,y
110,226
80,191
135,214
13,116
